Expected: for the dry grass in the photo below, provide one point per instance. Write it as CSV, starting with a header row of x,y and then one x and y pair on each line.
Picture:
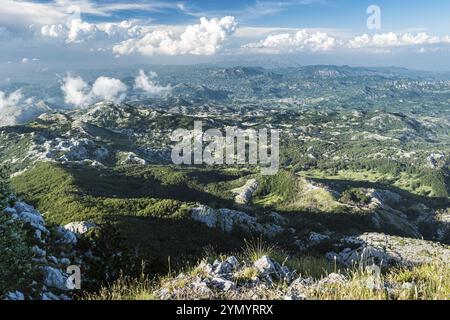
x,y
423,282
125,288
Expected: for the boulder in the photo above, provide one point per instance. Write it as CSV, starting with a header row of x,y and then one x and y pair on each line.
x,y
54,278
79,227
245,193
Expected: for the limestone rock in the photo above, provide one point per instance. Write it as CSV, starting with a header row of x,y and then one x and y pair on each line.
x,y
79,227
384,249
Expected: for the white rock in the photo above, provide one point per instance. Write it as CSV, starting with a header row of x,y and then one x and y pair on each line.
x,y
54,278
245,193
66,236
227,220
79,227
222,284
390,250
266,266
16,295
233,261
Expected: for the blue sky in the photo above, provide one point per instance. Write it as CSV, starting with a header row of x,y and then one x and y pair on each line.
x,y
414,34
345,14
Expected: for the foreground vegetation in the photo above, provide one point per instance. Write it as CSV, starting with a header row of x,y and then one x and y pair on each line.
x,y
421,282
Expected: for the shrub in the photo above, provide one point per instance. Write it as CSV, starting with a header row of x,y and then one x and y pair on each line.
x,y
15,262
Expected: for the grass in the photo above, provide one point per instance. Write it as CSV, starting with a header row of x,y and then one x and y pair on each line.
x,y
125,288
404,181
424,282
148,205
286,192
430,282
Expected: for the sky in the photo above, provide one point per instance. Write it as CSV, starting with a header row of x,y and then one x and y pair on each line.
x,y
83,33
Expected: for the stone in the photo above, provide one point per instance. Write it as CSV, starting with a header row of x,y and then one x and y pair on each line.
x,y
222,284
315,237
16,295
245,193
79,227
266,266
66,236
227,220
233,261
54,278
222,268
333,278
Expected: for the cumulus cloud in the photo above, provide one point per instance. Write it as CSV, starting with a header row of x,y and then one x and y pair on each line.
x,y
305,41
11,100
206,38
391,39
16,109
78,93
302,40
147,84
78,31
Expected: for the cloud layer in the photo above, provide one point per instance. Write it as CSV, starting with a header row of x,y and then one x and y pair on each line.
x,y
304,40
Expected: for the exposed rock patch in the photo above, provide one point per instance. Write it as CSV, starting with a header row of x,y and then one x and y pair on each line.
x,y
245,193
389,250
227,220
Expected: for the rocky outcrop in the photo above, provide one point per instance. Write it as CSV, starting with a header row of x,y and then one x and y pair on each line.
x,y
79,227
53,250
245,193
228,220
388,250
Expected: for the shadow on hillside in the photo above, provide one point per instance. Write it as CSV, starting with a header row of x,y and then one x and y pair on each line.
x,y
180,242
345,221
109,183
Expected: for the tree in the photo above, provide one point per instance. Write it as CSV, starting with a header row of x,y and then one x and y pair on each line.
x,y
15,254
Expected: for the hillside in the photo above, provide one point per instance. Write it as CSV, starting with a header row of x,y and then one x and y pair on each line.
x,y
355,179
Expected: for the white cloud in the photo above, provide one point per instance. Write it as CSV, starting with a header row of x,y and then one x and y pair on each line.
x,y
147,84
391,39
11,100
315,41
20,14
53,31
16,109
206,38
77,92
109,89
81,31
302,40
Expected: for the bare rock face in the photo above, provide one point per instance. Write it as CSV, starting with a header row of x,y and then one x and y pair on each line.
x,y
79,227
245,193
389,250
227,220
